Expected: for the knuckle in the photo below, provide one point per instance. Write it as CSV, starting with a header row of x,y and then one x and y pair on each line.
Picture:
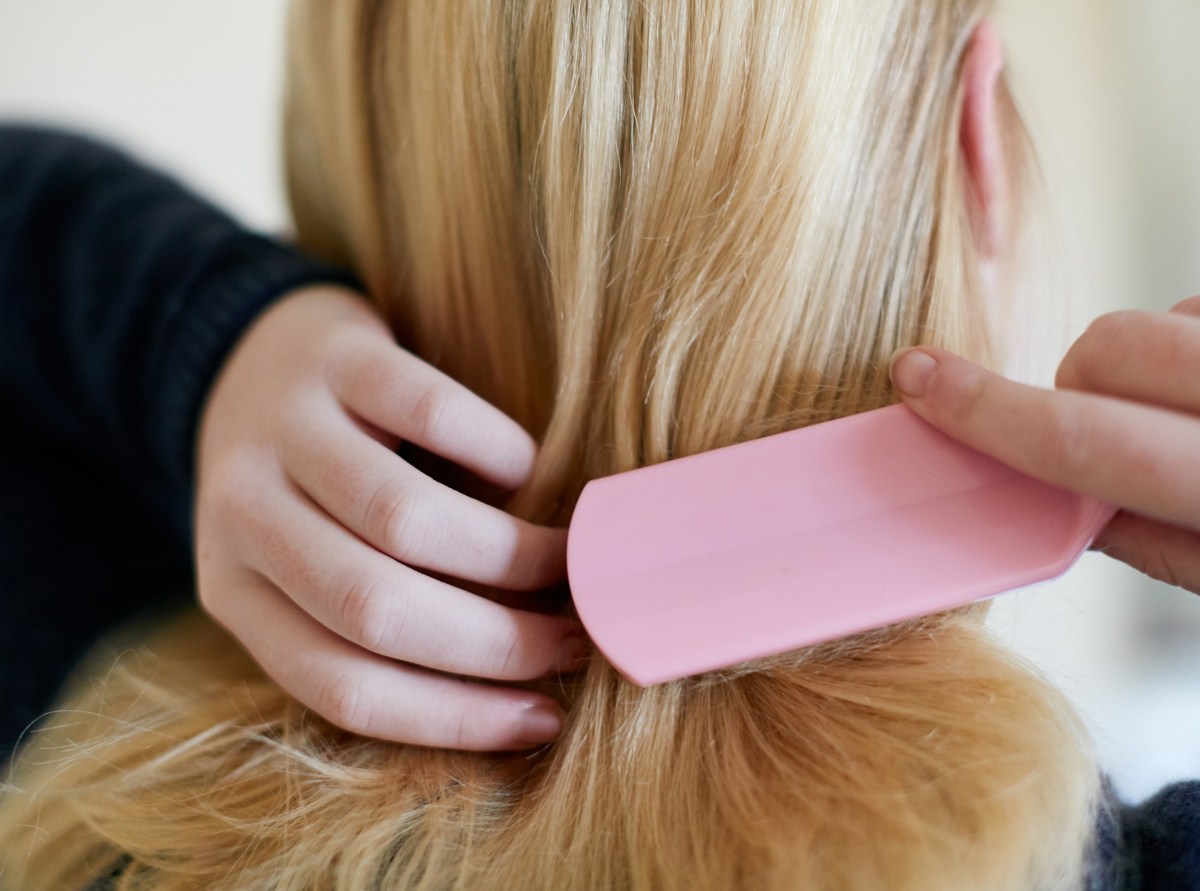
x,y
236,483
524,647
1177,344
373,371
369,374
1161,566
1071,442
1111,328
1157,558
338,361
292,419
432,415
462,730
393,520
467,725
1068,376
965,402
338,478
342,699
1190,306
508,657
365,610
296,424
1106,337
344,360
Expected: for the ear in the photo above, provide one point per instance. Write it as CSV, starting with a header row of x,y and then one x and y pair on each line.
x,y
981,142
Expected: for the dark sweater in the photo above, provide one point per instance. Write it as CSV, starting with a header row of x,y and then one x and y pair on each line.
x,y
120,294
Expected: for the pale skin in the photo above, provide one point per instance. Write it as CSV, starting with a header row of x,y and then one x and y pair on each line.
x,y
1123,423
312,534
314,538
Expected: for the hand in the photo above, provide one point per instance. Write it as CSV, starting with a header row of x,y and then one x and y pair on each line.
x,y
310,531
1123,426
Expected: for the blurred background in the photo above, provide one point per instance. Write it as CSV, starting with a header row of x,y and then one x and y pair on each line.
x,y
1109,88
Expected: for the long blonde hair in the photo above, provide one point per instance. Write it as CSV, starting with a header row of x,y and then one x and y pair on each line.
x,y
643,228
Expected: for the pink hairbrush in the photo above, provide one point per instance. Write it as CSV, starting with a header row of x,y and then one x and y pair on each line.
x,y
806,536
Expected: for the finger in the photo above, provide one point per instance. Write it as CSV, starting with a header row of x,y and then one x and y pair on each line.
x,y
1190,307
397,392
1140,356
1138,457
1163,552
413,518
373,696
389,609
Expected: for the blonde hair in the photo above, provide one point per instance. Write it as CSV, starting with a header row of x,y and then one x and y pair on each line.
x,y
643,228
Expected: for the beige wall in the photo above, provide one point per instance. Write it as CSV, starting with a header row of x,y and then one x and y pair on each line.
x,y
190,84
1111,91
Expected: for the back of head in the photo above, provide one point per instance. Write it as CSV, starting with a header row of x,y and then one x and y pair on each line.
x,y
643,228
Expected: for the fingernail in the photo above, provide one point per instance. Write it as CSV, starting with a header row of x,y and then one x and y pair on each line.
x,y
539,724
912,370
573,653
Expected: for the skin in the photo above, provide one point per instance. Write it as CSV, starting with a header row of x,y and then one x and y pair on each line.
x,y
315,540
1123,425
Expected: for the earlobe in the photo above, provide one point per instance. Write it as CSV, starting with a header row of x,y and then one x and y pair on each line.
x,y
981,142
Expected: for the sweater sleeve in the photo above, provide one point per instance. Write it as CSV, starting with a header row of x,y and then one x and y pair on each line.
x,y
1165,834
120,294
1152,846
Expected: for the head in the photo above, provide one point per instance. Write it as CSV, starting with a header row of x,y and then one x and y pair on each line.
x,y
650,229
643,229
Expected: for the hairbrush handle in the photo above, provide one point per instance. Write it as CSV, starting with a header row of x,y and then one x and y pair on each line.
x,y
806,536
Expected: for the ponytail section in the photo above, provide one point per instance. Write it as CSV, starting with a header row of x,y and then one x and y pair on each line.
x,y
917,759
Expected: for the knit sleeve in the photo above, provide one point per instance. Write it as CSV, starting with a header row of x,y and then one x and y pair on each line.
x,y
1165,831
120,295
1152,846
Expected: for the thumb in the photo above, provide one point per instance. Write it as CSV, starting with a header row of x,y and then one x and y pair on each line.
x,y
1040,432
1137,456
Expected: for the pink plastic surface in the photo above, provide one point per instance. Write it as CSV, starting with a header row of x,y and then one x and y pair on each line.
x,y
810,535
